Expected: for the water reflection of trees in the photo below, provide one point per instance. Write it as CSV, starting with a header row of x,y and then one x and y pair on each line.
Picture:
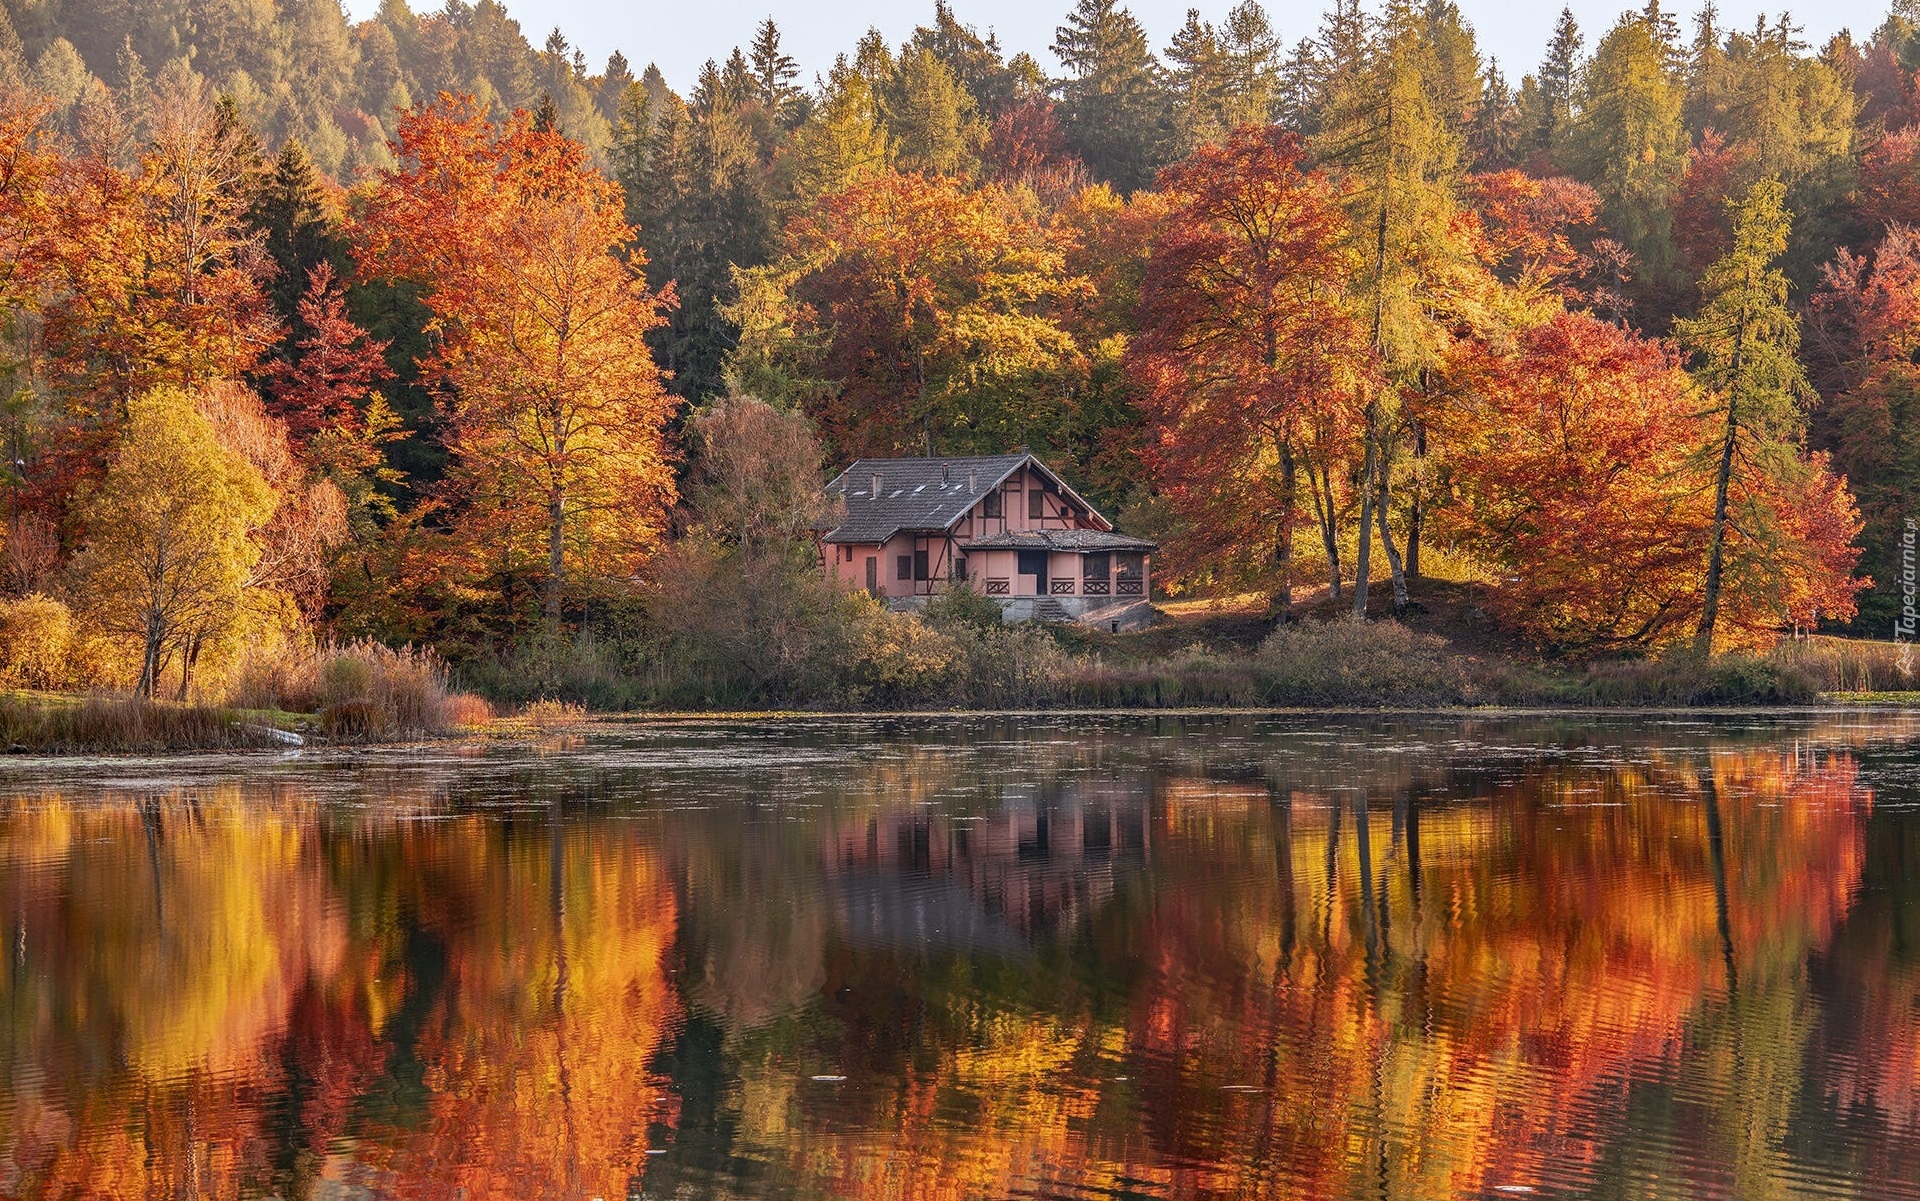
x,y
220,996
1345,961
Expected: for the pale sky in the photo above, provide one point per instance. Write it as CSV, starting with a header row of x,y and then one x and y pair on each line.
x,y
681,34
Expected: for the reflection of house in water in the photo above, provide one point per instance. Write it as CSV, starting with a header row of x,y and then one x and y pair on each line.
x,y
914,879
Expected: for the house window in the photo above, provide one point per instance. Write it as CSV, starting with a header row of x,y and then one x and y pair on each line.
x,y
960,569
903,567
991,505
1036,504
1132,564
1097,566
873,575
920,565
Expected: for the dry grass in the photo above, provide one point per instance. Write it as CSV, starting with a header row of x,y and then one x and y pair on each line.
x,y
120,724
1850,664
466,711
549,714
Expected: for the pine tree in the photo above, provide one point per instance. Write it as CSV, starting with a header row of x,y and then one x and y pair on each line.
x,y
1494,135
1628,141
1250,66
1116,113
1400,159
929,117
773,74
289,207
975,61
1558,73
1457,81
1195,81
612,86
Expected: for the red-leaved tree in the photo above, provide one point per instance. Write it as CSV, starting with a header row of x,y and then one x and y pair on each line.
x,y
1246,358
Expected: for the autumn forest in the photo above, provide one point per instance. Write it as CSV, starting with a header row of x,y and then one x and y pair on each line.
x,y
412,332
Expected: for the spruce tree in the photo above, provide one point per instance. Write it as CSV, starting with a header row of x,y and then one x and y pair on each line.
x,y
289,207
774,72
1115,105
1628,141
1558,73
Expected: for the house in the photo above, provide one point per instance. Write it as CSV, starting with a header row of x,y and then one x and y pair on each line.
x,y
1005,525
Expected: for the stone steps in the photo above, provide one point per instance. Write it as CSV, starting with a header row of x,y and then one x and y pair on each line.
x,y
1049,610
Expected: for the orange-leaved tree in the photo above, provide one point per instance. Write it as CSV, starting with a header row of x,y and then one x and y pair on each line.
x,y
1570,480
156,279
556,413
1246,358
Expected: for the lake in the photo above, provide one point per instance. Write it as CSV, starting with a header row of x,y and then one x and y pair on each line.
x,y
1042,957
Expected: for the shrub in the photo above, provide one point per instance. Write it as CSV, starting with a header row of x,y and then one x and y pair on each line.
x,y
1348,662
361,689
898,658
36,643
962,606
730,627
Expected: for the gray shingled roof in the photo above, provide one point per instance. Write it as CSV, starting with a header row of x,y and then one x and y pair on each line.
x,y
924,495
1076,540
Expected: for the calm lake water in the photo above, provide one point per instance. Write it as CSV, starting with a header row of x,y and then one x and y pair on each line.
x,y
1347,957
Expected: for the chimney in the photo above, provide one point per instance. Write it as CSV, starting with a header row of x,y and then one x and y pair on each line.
x,y
946,473
973,483
876,486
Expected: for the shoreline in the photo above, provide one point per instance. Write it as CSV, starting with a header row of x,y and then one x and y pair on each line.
x,y
511,730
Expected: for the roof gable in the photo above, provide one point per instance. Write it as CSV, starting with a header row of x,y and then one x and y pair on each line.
x,y
927,495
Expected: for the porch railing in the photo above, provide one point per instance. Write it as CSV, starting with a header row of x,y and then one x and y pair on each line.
x,y
999,587
1129,587
1096,588
1060,587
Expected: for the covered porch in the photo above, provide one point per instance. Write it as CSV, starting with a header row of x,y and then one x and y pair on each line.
x,y
1091,564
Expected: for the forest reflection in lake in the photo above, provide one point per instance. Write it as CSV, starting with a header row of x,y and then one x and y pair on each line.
x,y
1394,957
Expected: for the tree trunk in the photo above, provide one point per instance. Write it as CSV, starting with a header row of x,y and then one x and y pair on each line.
x,y
1416,515
150,658
556,555
1363,558
1716,546
1320,483
1283,550
1394,566
189,658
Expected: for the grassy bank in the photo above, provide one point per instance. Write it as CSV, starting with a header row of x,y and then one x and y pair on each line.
x,y
352,693
53,723
1444,653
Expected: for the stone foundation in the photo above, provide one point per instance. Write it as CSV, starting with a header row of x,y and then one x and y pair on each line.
x,y
1098,612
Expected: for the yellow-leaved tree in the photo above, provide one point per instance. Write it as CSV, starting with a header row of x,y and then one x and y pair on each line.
x,y
556,413
170,545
